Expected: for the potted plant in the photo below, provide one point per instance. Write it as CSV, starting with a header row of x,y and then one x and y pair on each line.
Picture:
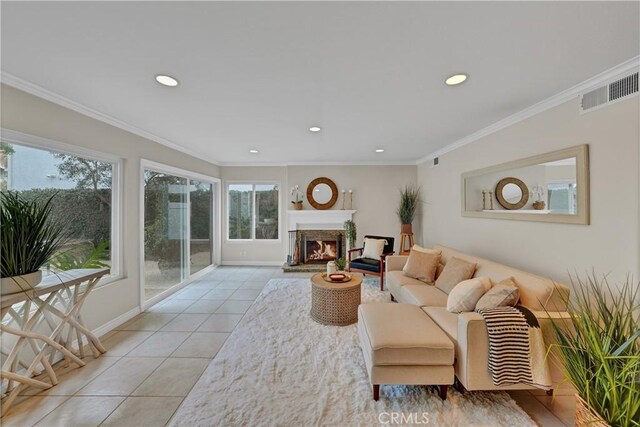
x,y
351,232
341,264
409,200
599,346
28,240
297,197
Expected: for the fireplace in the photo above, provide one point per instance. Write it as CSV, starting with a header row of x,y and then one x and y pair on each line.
x,y
320,250
315,246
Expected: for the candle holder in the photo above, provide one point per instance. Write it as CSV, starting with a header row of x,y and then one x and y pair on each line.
x,y
350,199
344,197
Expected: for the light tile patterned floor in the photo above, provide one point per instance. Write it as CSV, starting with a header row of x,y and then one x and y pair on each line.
x,y
154,360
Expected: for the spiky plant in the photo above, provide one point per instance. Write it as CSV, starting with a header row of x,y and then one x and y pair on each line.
x,y
341,263
409,200
600,347
28,235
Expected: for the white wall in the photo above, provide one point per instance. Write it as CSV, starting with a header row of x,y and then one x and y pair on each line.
x,y
32,115
610,244
376,196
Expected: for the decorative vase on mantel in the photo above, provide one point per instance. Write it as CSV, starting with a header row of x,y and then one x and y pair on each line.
x,y
297,205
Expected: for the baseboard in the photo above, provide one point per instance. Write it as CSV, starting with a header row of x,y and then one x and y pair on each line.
x,y
254,263
112,324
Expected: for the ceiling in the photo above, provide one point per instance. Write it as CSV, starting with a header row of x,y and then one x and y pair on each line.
x,y
257,75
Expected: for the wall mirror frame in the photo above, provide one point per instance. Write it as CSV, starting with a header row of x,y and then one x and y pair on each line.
x,y
322,193
582,215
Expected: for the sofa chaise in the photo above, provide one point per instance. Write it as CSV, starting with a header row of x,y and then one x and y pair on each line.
x,y
467,331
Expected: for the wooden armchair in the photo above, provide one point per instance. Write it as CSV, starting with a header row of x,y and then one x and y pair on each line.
x,y
374,267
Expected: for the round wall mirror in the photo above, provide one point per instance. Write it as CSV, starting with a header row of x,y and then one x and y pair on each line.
x,y
322,193
512,193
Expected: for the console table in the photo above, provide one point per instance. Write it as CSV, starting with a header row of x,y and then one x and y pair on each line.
x,y
45,321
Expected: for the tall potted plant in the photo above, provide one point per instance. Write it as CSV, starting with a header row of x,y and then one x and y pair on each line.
x,y
600,349
409,200
29,237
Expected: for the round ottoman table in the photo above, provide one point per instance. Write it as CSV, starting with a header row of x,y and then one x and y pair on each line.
x,y
335,304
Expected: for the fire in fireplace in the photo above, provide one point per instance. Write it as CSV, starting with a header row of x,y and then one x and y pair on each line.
x,y
321,250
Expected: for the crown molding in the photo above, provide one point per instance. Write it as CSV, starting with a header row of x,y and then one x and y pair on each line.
x,y
36,90
553,101
353,163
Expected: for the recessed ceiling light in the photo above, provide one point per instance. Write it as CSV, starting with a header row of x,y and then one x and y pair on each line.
x,y
165,80
380,150
456,79
253,151
315,129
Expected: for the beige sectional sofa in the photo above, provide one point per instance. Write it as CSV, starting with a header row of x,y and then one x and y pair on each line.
x,y
468,331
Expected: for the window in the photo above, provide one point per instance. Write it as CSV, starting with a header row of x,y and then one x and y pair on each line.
x,y
84,200
253,211
562,198
178,226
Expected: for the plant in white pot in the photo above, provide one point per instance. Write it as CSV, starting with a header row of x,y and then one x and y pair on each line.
x,y
29,237
600,349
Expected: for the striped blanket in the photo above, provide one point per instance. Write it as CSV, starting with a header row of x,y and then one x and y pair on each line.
x,y
517,353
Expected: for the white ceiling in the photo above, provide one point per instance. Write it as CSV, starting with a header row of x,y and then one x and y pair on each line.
x,y
257,75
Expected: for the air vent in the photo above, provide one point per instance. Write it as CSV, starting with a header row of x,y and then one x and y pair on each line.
x,y
623,87
436,161
609,93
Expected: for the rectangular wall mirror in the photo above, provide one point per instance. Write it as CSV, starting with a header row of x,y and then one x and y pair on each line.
x,y
551,187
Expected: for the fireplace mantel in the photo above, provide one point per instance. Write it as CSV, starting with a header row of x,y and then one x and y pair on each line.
x,y
318,219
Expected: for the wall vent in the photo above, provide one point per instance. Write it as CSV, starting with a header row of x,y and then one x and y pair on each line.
x,y
613,91
436,161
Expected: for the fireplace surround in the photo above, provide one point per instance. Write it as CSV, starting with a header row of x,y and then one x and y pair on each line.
x,y
315,237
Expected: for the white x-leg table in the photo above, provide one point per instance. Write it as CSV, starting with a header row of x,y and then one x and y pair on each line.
x,y
45,321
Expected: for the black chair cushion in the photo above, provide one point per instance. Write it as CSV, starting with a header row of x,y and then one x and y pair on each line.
x,y
368,264
388,248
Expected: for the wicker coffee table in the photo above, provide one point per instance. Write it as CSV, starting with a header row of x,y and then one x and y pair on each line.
x,y
335,304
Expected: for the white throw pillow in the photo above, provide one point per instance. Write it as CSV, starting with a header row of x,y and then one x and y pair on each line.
x,y
465,295
373,248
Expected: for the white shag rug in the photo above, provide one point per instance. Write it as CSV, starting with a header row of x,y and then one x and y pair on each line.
x,y
280,368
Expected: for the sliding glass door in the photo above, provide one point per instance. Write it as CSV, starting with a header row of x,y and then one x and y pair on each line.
x,y
165,228
201,221
178,229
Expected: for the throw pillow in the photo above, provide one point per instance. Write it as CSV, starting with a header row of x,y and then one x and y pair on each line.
x,y
422,266
502,294
417,248
465,295
373,248
454,272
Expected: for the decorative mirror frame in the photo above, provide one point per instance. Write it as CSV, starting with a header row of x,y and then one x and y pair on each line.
x,y
334,193
503,202
580,152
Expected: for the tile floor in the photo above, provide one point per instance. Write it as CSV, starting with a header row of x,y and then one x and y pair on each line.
x,y
154,360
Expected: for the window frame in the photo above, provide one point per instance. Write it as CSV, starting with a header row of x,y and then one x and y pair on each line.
x,y
215,226
117,191
253,239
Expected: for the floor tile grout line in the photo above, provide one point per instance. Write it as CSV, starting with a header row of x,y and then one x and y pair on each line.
x,y
47,414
